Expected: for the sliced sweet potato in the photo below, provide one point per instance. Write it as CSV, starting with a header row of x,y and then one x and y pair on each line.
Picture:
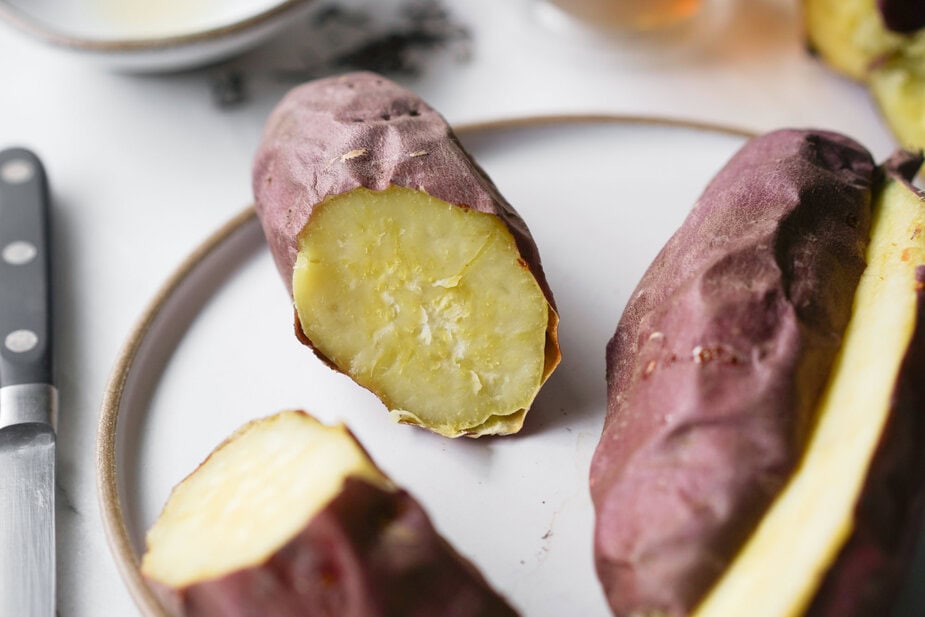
x,y
718,362
850,515
408,270
289,518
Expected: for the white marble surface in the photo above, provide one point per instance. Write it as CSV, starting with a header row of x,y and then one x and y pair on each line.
x,y
143,168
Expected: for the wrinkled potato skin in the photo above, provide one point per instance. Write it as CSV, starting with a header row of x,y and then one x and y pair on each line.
x,y
369,553
311,150
871,567
718,362
334,135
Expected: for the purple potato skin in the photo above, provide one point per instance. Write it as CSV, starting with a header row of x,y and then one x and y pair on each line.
x,y
368,553
718,362
867,575
902,16
333,135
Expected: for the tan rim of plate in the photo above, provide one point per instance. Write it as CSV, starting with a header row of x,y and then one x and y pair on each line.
x,y
107,487
32,26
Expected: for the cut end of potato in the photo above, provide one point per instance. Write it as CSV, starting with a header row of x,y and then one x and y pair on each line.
x,y
251,496
878,46
427,304
848,34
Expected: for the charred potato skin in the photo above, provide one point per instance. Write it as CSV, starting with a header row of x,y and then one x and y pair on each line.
x,y
369,553
334,135
866,577
743,309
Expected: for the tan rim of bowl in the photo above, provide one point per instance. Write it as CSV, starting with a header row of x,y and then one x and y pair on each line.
x,y
107,485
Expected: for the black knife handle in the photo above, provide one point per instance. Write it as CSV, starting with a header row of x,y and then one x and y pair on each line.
x,y
25,270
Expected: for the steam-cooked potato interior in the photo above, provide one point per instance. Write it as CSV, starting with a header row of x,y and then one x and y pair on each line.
x,y
802,533
254,493
426,303
849,34
899,87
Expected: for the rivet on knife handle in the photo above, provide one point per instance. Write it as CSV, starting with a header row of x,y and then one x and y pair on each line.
x,y
25,294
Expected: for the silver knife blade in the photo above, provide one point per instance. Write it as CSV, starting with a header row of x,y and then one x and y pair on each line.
x,y
28,399
27,520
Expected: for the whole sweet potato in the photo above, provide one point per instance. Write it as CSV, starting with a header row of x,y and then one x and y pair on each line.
x,y
718,362
776,469
872,564
290,518
837,539
409,271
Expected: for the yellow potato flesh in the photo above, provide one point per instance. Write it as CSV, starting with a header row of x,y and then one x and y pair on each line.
x,y
779,569
254,493
425,303
848,34
898,85
851,37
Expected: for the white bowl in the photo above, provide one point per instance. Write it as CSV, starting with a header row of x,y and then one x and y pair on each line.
x,y
146,36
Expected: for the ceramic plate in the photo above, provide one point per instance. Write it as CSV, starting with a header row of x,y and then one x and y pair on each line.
x,y
216,349
140,35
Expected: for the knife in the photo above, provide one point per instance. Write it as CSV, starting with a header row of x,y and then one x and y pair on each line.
x,y
28,398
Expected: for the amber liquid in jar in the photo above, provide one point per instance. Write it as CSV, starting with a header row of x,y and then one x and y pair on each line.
x,y
630,14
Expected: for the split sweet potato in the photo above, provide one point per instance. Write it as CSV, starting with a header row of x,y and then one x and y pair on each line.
x,y
766,394
290,518
839,536
408,270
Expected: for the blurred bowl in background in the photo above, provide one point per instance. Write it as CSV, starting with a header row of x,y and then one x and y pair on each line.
x,y
147,36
